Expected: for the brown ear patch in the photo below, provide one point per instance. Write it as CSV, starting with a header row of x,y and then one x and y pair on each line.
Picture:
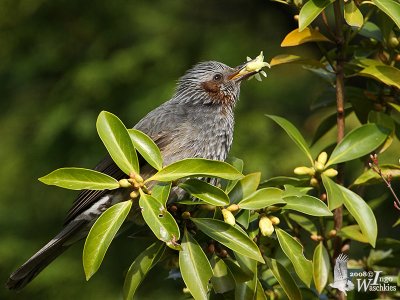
x,y
211,86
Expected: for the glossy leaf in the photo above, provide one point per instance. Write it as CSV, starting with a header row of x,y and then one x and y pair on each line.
x,y
160,221
260,294
357,143
293,133
296,37
237,163
237,271
196,167
116,139
321,266
386,74
147,148
247,289
294,59
245,187
356,206
80,179
304,222
194,266
391,8
353,232
294,251
222,280
160,191
371,30
371,177
140,267
353,15
284,279
310,11
308,205
262,198
333,193
229,236
205,191
101,235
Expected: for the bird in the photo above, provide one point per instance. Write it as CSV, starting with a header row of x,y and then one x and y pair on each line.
x,y
197,122
340,277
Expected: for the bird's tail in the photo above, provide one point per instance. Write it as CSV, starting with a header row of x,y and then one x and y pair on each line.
x,y
41,259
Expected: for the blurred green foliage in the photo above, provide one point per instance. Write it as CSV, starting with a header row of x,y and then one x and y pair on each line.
x,y
62,62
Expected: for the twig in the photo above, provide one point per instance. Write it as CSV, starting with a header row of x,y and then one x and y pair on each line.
x,y
388,180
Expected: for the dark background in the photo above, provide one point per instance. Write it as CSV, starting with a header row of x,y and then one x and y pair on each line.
x,y
62,62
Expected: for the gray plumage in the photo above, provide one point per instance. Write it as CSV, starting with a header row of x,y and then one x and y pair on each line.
x,y
196,122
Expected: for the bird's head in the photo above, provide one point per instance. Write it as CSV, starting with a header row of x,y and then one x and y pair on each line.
x,y
211,83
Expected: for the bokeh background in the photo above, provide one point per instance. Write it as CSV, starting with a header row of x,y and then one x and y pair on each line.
x,y
62,62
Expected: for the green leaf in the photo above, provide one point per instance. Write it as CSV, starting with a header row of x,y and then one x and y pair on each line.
x,y
310,11
195,268
356,206
308,205
320,267
101,234
353,15
371,177
357,143
386,74
239,273
294,59
293,133
147,148
140,267
333,193
160,221
237,163
353,232
262,198
371,30
247,289
229,236
294,251
304,223
284,278
389,7
80,179
296,37
244,187
160,191
222,280
116,139
205,191
196,167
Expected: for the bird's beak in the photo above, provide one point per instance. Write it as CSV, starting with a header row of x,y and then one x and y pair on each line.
x,y
250,68
240,73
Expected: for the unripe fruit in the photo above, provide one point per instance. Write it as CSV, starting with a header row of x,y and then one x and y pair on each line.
x,y
318,166
304,171
332,233
233,207
323,158
274,220
330,172
314,182
134,194
393,42
266,226
185,215
228,217
124,183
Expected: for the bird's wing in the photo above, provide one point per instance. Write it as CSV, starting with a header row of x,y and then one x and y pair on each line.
x,y
340,270
86,198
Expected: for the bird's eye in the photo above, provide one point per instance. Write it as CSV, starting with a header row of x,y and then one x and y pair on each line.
x,y
217,77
